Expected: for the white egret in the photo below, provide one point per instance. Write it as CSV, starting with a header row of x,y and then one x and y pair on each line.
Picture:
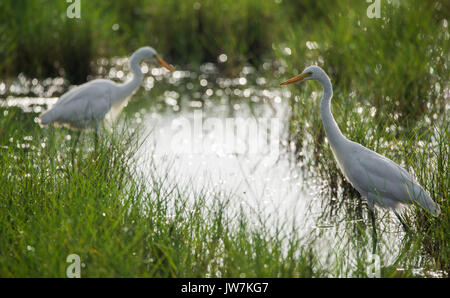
x,y
379,180
88,104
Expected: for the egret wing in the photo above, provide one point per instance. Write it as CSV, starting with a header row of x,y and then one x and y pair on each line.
x,y
383,179
83,104
88,90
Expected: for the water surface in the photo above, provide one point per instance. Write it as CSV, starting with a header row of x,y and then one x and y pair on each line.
x,y
225,135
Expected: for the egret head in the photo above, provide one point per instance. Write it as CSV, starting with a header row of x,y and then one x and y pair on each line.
x,y
151,54
310,73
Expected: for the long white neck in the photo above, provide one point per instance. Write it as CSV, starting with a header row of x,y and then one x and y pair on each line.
x,y
334,135
129,87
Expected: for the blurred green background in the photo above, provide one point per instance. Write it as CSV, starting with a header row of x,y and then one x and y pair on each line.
x,y
38,39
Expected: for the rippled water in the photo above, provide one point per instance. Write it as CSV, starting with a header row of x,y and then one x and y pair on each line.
x,y
226,134
212,132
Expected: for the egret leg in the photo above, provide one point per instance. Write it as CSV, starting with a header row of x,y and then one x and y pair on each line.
x,y
74,146
374,230
96,137
77,138
404,224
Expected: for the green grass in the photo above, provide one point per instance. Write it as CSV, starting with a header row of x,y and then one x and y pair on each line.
x,y
390,80
39,40
56,201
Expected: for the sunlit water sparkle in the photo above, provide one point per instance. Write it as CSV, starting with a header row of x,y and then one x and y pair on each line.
x,y
272,189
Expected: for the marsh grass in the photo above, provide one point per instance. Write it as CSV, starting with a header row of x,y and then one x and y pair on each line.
x,y
59,200
39,40
390,80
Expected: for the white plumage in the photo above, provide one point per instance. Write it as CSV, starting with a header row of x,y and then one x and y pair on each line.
x,y
378,179
88,104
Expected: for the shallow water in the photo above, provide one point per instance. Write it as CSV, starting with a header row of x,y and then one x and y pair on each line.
x,y
223,135
226,134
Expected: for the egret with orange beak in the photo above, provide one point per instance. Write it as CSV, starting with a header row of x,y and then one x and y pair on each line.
x,y
88,104
379,180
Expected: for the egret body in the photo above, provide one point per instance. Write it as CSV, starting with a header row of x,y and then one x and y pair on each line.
x,y
379,180
88,104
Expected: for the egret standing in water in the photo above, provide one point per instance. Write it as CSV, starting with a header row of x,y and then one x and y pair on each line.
x,y
88,104
379,180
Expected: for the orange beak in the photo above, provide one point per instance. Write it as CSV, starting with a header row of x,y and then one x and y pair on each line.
x,y
298,78
164,63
